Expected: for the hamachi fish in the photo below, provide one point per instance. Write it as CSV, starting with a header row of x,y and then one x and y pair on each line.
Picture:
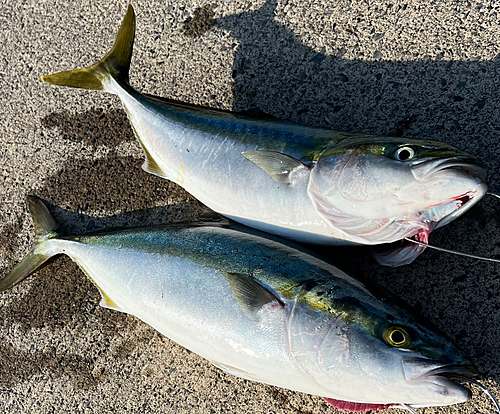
x,y
311,185
261,310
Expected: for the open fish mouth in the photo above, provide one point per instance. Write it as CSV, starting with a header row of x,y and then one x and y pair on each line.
x,y
404,251
442,214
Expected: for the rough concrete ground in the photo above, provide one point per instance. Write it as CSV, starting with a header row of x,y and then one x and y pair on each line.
x,y
407,68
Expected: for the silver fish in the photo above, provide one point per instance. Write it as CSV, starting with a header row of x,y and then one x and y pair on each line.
x,y
308,184
261,310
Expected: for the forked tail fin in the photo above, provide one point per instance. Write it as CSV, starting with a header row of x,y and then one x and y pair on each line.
x,y
115,64
45,228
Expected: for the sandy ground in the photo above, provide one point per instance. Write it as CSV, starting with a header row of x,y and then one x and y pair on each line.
x,y
406,68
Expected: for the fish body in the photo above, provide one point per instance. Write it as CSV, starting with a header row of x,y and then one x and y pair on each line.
x,y
308,184
197,149
261,310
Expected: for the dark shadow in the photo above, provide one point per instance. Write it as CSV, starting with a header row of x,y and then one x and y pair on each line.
x,y
274,72
83,199
17,366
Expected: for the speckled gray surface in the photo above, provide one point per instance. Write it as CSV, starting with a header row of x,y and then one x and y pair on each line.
x,y
407,68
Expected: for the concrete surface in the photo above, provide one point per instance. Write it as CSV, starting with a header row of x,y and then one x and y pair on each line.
x,y
408,68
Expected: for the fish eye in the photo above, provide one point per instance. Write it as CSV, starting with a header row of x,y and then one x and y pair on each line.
x,y
397,337
404,154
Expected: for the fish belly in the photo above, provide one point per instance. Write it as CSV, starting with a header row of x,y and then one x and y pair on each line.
x,y
193,305
210,166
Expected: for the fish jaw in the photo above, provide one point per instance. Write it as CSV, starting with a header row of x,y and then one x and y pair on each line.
x,y
464,175
435,377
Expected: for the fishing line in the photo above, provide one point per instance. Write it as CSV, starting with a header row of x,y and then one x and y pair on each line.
x,y
493,194
405,407
441,249
482,387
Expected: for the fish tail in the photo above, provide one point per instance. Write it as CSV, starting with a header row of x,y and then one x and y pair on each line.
x,y
115,64
45,228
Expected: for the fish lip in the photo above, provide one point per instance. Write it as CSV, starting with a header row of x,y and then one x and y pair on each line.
x,y
423,168
448,371
420,369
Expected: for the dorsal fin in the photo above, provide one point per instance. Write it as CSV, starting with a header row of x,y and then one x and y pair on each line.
x,y
250,294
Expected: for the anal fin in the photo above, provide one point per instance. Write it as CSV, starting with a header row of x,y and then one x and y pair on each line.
x,y
151,166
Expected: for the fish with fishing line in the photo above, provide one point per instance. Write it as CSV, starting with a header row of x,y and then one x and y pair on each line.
x,y
311,185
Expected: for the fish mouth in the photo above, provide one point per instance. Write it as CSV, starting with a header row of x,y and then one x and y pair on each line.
x,y
441,375
423,169
449,210
420,369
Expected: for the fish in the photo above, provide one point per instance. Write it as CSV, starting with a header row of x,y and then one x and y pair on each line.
x,y
262,309
311,185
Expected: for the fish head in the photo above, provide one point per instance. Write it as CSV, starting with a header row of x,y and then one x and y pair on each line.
x,y
381,190
370,353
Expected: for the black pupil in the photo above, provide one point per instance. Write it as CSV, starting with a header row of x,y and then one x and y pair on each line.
x,y
397,337
404,154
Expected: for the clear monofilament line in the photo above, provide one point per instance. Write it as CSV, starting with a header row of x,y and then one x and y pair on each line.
x,y
441,249
493,194
482,387
405,407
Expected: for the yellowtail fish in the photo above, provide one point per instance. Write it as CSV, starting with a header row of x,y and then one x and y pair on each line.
x,y
307,184
262,310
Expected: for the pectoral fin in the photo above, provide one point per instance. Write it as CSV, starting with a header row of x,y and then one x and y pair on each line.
x,y
251,295
280,167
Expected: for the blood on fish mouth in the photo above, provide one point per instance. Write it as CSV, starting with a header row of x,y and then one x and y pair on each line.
x,y
422,236
463,199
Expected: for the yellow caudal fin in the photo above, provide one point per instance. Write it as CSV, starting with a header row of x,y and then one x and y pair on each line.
x,y
115,64
45,228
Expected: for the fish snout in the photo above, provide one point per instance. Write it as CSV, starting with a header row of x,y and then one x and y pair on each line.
x,y
418,369
473,166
